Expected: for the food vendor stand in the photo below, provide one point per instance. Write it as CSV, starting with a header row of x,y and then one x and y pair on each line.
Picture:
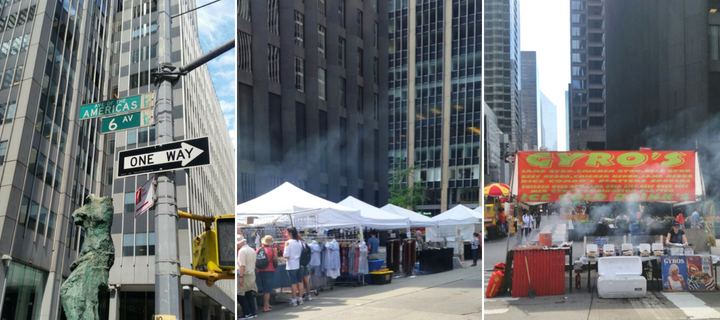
x,y
670,177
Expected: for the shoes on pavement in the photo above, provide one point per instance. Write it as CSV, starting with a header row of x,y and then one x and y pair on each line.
x,y
473,265
293,304
300,302
246,317
308,298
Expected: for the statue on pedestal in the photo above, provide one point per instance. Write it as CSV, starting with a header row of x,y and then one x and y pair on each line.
x,y
89,273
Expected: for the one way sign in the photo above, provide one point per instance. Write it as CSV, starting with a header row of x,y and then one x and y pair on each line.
x,y
166,157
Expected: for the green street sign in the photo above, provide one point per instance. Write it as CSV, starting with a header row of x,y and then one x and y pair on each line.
x,y
111,107
127,121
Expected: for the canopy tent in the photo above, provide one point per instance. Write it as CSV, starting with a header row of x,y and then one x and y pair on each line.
x,y
416,220
373,217
288,202
697,189
459,215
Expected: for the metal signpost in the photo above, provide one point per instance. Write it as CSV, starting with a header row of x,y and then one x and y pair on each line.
x,y
165,157
132,120
117,106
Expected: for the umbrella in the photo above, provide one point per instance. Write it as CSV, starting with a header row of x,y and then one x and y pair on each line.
x,y
497,190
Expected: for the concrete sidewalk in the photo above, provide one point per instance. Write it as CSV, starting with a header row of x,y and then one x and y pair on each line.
x,y
450,295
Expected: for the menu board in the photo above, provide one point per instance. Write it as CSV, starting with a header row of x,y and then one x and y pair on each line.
x,y
687,273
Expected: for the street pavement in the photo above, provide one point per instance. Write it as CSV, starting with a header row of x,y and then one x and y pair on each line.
x,y
451,295
580,304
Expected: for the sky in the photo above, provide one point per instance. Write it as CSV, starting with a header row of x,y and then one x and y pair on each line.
x,y
216,25
545,28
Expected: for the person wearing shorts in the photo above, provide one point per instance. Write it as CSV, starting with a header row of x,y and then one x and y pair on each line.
x,y
293,250
266,276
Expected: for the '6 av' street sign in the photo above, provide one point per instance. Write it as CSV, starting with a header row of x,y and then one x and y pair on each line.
x,y
165,157
126,121
111,107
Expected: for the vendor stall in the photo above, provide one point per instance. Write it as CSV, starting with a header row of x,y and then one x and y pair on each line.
x,y
586,177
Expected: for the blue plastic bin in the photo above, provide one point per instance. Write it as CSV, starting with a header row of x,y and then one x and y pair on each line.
x,y
374,265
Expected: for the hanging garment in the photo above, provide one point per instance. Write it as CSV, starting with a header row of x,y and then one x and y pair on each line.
x,y
315,251
363,260
333,259
357,259
351,259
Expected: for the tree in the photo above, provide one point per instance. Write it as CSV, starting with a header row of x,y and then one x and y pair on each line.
x,y
403,195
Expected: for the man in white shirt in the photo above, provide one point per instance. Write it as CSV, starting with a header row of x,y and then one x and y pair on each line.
x,y
246,279
527,224
293,250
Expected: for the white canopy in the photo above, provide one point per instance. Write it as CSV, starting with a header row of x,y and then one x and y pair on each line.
x,y
459,215
310,211
416,220
375,218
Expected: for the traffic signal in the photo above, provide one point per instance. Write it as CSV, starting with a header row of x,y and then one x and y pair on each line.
x,y
214,250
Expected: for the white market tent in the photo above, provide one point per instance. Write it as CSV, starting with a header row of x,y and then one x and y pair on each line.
x,y
459,215
416,220
375,218
288,202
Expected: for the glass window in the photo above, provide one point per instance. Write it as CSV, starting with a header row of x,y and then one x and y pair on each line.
x,y
597,121
130,202
299,29
128,245
3,151
321,84
321,42
299,74
343,84
579,97
597,107
131,138
24,291
42,220
579,57
359,24
40,172
151,243
360,99
141,244
273,16
7,79
578,31
321,7
341,12
10,111
360,61
341,51
244,9
58,178
49,177
579,111
143,135
579,71
375,34
577,18
274,63
578,5
579,84
32,219
579,44
51,225
32,161
714,41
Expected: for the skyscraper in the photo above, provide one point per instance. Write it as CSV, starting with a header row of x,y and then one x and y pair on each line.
x,y
530,100
312,97
60,56
587,90
435,105
502,66
549,122
678,108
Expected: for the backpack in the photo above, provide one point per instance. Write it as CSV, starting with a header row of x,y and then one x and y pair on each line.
x,y
305,255
262,260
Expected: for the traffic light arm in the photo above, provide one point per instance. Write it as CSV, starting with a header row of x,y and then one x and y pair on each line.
x,y
208,220
210,277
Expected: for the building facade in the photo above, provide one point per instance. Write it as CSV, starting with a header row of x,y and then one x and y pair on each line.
x,y
493,164
435,105
502,67
530,101
312,98
548,112
587,89
62,55
678,108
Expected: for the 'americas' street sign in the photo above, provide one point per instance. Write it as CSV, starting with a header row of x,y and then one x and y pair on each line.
x,y
111,107
165,157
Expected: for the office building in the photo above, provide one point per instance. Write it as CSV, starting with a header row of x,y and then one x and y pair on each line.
x,y
312,98
548,112
502,67
494,161
677,107
63,55
587,89
530,100
435,100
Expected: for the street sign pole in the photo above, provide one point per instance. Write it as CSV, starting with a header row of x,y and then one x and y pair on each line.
x,y
167,262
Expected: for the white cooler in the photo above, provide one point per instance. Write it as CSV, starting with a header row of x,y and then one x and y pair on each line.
x,y
620,278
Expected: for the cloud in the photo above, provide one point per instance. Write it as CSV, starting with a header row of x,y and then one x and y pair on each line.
x,y
216,23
